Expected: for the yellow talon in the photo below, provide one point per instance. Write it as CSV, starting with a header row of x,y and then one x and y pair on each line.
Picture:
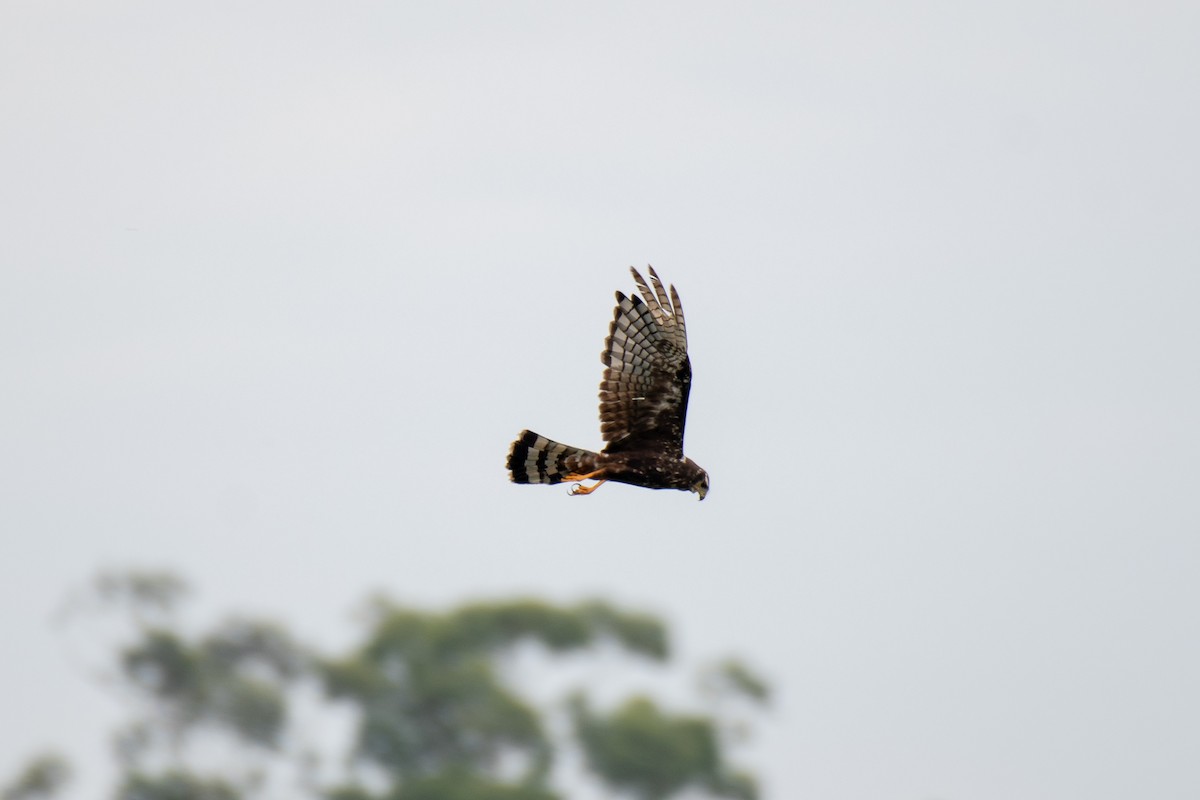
x,y
579,488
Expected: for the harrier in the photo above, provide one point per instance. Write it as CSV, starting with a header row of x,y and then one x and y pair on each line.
x,y
643,406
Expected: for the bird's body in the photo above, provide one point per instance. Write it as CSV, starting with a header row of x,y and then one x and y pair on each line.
x,y
643,405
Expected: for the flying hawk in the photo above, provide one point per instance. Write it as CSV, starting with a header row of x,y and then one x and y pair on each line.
x,y
643,406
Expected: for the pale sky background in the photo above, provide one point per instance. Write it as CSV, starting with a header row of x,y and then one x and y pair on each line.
x,y
281,281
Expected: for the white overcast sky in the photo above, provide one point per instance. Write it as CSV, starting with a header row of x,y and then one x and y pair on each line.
x,y
280,282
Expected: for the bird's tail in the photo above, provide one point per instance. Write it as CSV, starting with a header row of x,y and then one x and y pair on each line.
x,y
536,459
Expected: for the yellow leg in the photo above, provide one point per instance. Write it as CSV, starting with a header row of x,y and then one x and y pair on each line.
x,y
579,488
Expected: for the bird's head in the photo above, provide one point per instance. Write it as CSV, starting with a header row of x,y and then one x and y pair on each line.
x,y
700,487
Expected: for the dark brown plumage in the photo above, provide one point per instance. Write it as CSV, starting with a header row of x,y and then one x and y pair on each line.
x,y
643,405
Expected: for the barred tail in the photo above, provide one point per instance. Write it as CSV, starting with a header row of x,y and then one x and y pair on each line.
x,y
536,459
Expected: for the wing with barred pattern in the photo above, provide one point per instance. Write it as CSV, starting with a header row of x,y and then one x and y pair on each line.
x,y
643,405
647,375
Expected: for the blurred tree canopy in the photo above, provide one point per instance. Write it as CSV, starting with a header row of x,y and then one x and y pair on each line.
x,y
425,704
42,778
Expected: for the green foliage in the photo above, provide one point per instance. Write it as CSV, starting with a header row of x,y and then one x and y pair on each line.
x,y
428,718
638,633
642,750
434,716
452,785
164,665
350,793
733,677
175,785
41,779
736,784
493,626
255,709
468,787
465,786
233,678
488,628
430,695
141,591
240,644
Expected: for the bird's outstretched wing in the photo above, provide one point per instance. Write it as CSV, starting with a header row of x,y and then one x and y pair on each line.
x,y
647,374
